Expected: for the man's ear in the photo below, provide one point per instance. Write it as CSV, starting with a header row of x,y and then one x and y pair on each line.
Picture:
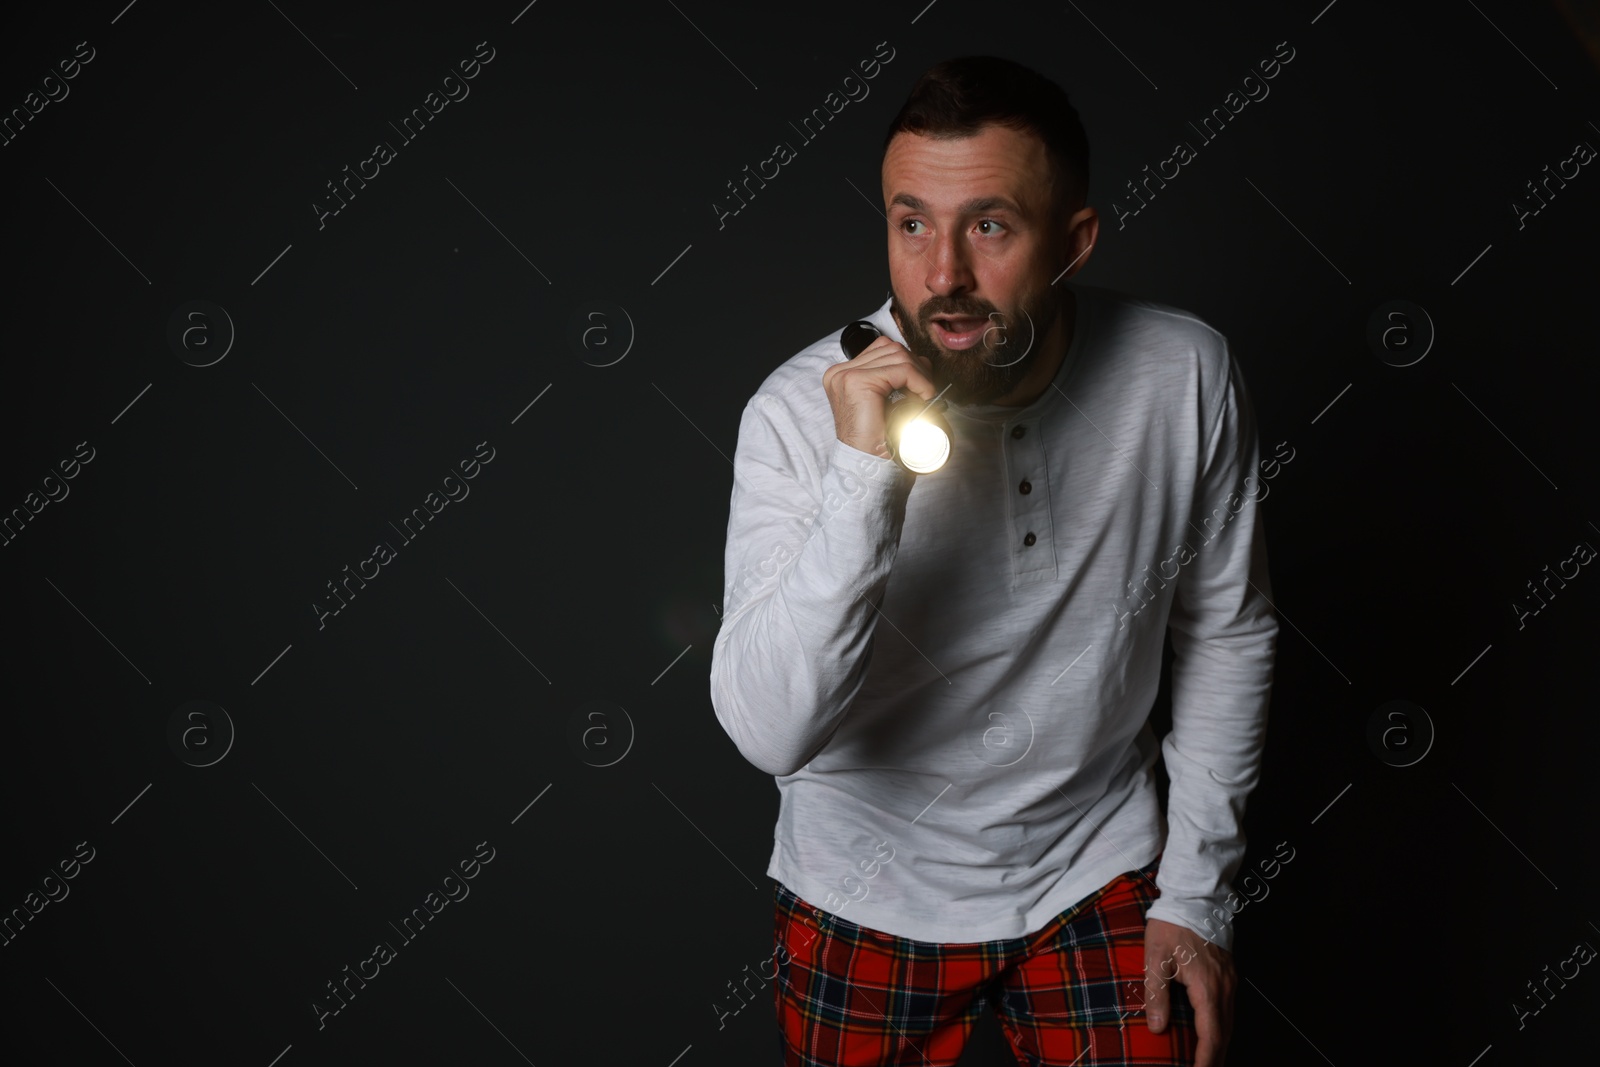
x,y
1065,229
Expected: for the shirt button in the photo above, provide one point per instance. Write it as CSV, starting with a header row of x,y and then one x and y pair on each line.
x,y
1025,487
1030,539
1018,431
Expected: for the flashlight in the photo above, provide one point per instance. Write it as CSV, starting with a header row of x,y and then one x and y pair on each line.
x,y
918,434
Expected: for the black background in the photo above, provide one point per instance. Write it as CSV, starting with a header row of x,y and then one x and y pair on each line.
x,y
374,353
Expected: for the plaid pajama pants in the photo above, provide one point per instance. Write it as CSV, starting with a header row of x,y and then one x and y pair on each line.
x,y
1070,994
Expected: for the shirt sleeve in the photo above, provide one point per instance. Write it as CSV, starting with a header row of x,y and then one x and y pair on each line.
x,y
807,560
1224,636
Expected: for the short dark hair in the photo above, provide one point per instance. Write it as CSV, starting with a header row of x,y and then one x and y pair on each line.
x,y
957,97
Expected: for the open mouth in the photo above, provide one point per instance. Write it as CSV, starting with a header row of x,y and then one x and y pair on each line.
x,y
959,331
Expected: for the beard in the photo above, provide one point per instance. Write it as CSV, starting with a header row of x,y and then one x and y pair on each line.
x,y
1003,356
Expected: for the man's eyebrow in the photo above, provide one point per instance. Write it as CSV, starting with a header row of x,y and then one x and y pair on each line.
x,y
981,203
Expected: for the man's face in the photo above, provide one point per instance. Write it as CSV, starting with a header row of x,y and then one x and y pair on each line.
x,y
972,254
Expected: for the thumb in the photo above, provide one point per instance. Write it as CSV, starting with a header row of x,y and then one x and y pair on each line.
x,y
1156,1002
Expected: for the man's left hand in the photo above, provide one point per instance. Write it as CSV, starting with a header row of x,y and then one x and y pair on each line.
x,y
1177,953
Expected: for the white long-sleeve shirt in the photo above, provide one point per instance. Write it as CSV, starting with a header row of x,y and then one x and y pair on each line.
x,y
950,674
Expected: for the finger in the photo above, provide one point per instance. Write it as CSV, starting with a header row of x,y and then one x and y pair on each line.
x,y
1156,1003
889,363
899,367
879,345
1208,1025
882,350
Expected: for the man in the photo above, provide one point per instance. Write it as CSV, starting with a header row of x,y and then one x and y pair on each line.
x,y
950,674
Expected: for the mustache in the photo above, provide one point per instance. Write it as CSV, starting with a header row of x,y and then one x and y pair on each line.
x,y
964,308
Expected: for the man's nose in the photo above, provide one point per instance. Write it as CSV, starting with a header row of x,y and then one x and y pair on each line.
x,y
949,273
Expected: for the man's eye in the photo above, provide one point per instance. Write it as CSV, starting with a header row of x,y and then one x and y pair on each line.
x,y
990,222
909,222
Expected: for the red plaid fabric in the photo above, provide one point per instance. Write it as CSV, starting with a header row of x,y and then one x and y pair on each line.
x,y
1069,994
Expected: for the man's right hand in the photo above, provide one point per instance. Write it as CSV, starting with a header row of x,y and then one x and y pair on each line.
x,y
858,390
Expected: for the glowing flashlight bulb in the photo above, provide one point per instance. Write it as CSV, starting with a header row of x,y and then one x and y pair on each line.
x,y
923,446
